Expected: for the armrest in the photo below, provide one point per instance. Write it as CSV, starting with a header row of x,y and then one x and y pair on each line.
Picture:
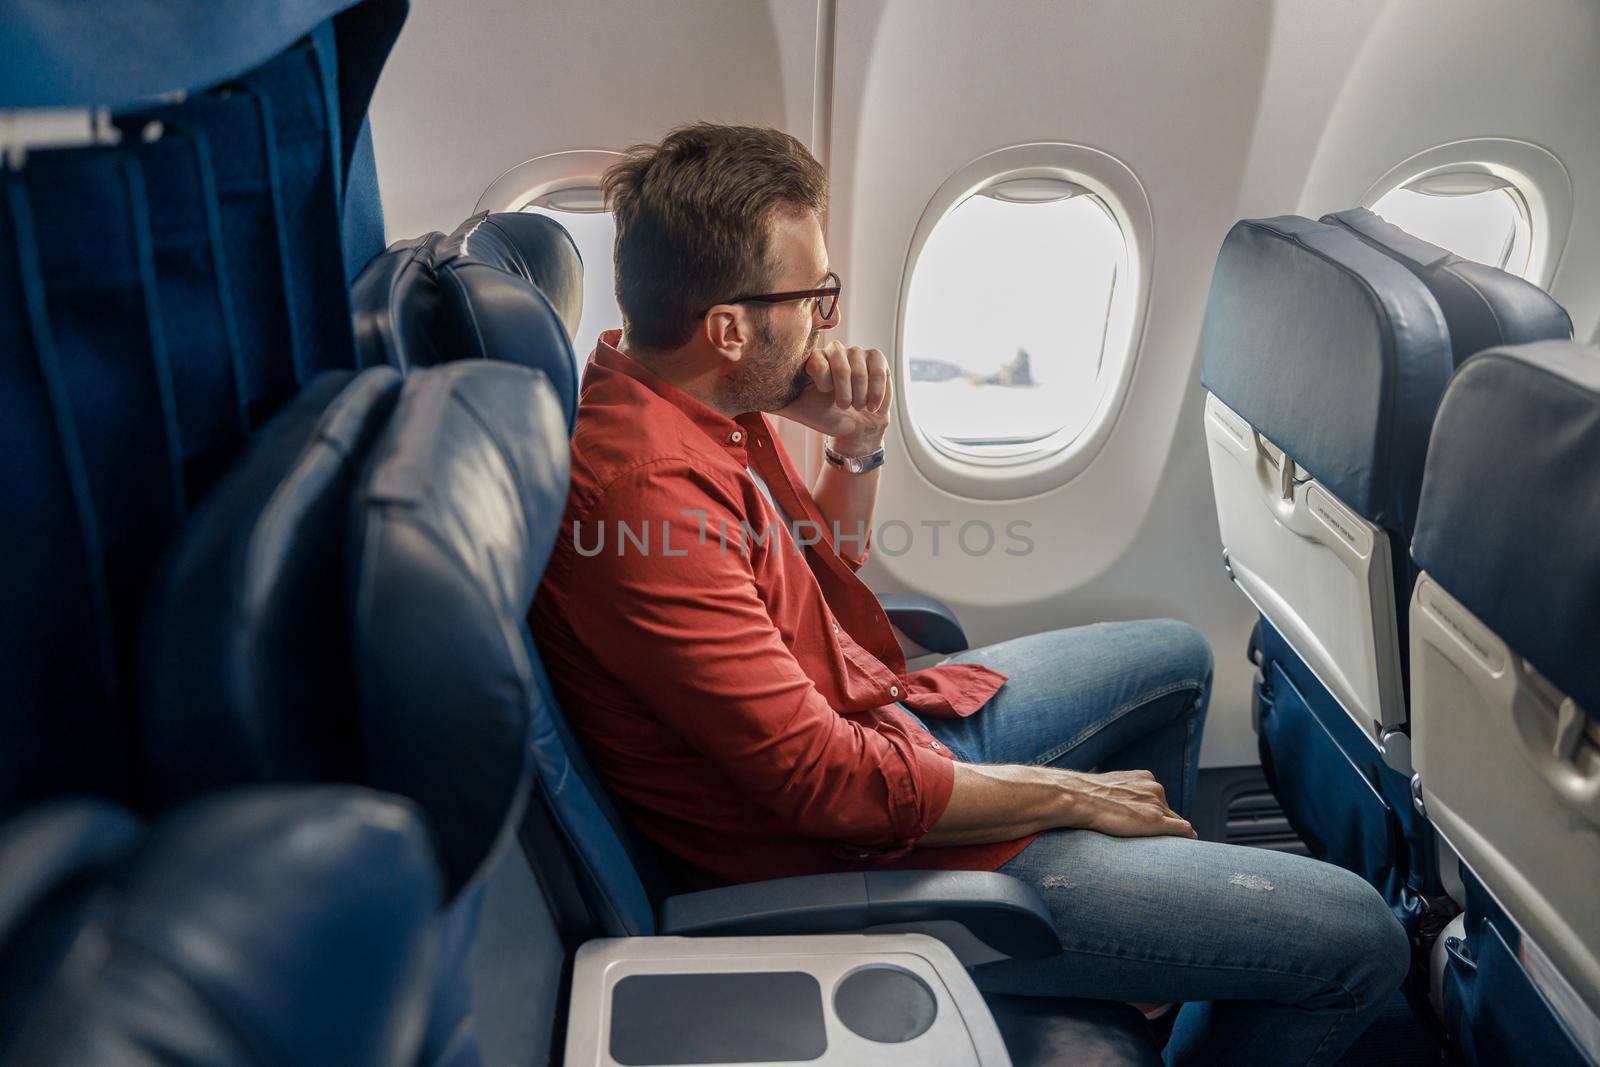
x,y
830,1000
1005,914
925,620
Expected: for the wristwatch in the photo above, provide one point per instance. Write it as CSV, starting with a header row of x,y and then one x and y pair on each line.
x,y
854,464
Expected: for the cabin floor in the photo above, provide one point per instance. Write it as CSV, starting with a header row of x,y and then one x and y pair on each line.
x,y
1399,1039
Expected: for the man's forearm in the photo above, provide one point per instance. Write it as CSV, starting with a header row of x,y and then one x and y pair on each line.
x,y
1002,802
847,501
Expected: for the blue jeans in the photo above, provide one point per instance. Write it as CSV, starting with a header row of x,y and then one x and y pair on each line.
x,y
1280,959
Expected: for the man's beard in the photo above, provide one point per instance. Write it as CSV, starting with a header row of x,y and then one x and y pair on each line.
x,y
769,378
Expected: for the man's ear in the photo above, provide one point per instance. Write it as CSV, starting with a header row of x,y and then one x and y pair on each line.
x,y
727,331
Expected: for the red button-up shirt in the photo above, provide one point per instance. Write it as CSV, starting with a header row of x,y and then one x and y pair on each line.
x,y
737,691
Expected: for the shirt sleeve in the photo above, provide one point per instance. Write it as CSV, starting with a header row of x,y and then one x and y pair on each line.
x,y
683,626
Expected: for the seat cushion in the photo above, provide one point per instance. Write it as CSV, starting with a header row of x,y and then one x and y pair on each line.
x,y
1511,505
1333,351
1084,1033
1482,306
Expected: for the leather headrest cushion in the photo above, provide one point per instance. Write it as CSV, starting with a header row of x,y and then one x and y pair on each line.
x,y
450,532
1482,306
1333,351
535,246
284,925
1511,505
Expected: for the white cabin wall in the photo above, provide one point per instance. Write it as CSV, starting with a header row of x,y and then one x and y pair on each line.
x,y
1223,108
1170,89
475,87
1435,71
1314,45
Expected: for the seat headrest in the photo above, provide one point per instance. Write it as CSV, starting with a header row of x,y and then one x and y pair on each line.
x,y
1333,351
450,530
245,657
1511,505
536,247
245,927
504,286
1482,306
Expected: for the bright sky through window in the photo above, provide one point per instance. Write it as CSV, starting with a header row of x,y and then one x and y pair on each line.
x,y
1489,227
595,233
1006,320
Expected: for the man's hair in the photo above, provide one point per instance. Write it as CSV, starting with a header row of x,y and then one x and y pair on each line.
x,y
693,217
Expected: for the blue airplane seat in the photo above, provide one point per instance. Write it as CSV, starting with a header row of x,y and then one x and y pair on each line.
x,y
1505,687
599,877
246,655
1324,360
164,287
485,291
1483,307
294,634
245,928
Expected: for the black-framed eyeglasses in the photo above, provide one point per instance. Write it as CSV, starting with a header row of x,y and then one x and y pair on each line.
x,y
827,297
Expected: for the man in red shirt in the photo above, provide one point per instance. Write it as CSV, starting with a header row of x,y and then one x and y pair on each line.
x,y
741,691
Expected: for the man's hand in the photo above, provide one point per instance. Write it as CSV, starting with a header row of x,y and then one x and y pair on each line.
x,y
1002,802
849,397
1122,804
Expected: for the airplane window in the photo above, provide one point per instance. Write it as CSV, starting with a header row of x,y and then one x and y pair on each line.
x,y
1480,217
581,211
1007,318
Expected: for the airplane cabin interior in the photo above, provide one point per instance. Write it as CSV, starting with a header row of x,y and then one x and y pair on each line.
x,y
1278,318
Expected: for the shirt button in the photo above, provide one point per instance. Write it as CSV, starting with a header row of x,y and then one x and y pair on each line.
x,y
936,744
835,627
894,690
736,437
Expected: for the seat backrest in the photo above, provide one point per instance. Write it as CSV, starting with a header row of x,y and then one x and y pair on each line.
x,y
1483,307
485,291
243,928
1505,640
449,532
348,606
159,298
1324,361
448,535
602,878
246,658
298,632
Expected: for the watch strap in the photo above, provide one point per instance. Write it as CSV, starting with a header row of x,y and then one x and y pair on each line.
x,y
854,464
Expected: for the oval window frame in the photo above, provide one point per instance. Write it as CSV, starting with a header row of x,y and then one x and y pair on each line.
x,y
1062,456
541,176
1539,179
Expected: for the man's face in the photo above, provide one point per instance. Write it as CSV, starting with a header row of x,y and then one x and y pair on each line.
x,y
772,373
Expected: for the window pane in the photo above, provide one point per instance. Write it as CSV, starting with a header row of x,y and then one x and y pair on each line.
x,y
595,234
1006,320
1489,227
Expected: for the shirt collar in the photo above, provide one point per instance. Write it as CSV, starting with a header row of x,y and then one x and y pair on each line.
x,y
732,434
